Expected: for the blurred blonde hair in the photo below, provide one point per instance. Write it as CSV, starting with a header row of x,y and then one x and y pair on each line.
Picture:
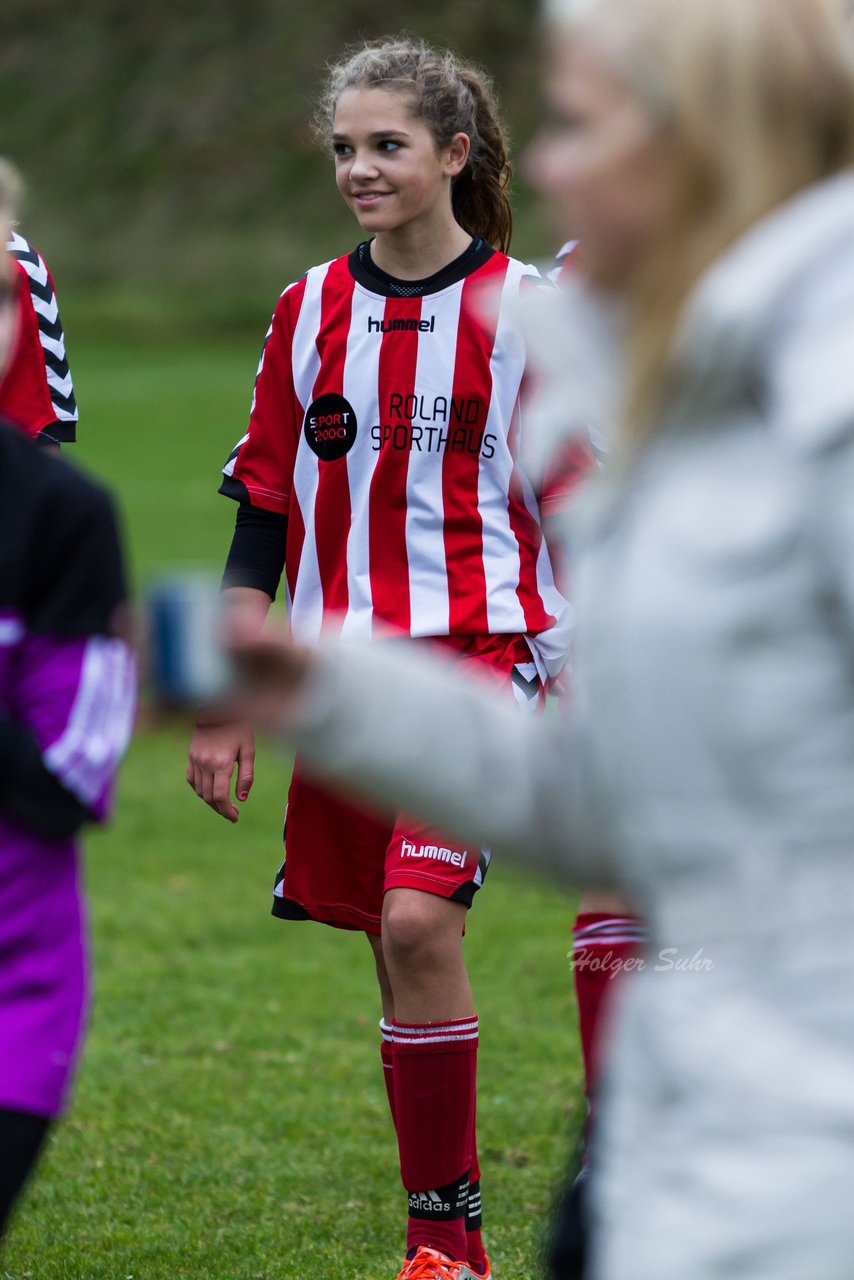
x,y
11,187
753,101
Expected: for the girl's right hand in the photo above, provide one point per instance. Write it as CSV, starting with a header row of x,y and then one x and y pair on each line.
x,y
214,752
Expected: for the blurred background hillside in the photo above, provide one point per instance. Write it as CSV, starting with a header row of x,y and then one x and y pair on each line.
x,y
172,174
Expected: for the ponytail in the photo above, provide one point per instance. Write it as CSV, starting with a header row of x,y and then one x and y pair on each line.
x,y
479,194
450,96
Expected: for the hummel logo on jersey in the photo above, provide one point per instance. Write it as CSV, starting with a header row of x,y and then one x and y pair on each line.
x,y
406,326
439,854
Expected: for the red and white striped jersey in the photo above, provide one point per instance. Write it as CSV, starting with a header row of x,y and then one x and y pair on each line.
x,y
36,393
385,425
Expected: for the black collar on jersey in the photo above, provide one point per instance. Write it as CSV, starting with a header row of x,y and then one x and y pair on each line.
x,y
364,270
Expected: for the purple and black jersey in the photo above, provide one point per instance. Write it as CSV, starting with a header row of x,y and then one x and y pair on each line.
x,y
67,697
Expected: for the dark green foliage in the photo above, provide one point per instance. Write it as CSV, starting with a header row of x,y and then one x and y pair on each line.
x,y
170,141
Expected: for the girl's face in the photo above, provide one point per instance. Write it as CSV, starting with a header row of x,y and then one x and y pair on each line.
x,y
598,162
387,166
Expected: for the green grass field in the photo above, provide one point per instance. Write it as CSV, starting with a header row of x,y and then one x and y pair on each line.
x,y
230,1118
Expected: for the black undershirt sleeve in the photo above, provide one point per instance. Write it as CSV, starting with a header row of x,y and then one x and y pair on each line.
x,y
30,795
257,555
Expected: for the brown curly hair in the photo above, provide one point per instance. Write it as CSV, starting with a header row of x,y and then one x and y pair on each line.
x,y
450,96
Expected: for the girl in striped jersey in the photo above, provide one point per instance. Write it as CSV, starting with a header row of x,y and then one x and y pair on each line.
x,y
379,471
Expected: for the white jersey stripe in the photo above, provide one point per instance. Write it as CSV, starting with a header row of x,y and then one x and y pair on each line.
x,y
501,560
306,608
425,541
361,378
305,357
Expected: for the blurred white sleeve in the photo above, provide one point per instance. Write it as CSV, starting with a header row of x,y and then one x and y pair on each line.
x,y
401,728
811,407
832,519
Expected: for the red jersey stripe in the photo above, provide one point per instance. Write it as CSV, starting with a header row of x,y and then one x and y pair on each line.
x,y
396,383
295,542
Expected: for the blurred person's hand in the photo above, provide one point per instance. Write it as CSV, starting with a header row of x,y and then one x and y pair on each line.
x,y
272,672
223,740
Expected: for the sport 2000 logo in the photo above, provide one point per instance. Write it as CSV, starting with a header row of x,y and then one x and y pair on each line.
x,y
330,427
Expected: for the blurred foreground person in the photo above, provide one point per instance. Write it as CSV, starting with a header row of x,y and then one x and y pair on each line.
x,y
608,937
67,689
701,153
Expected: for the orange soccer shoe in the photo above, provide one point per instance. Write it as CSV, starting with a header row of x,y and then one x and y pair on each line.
x,y
429,1264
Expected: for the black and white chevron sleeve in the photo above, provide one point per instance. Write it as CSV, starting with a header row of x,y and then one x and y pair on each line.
x,y
50,328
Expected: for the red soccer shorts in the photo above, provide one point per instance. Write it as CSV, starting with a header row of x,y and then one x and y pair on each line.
x,y
340,859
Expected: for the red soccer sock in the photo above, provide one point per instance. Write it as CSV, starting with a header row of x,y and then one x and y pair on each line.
x,y
603,945
387,1056
475,1253
435,1068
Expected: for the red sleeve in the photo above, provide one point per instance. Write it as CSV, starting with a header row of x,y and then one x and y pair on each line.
x,y
37,391
260,469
